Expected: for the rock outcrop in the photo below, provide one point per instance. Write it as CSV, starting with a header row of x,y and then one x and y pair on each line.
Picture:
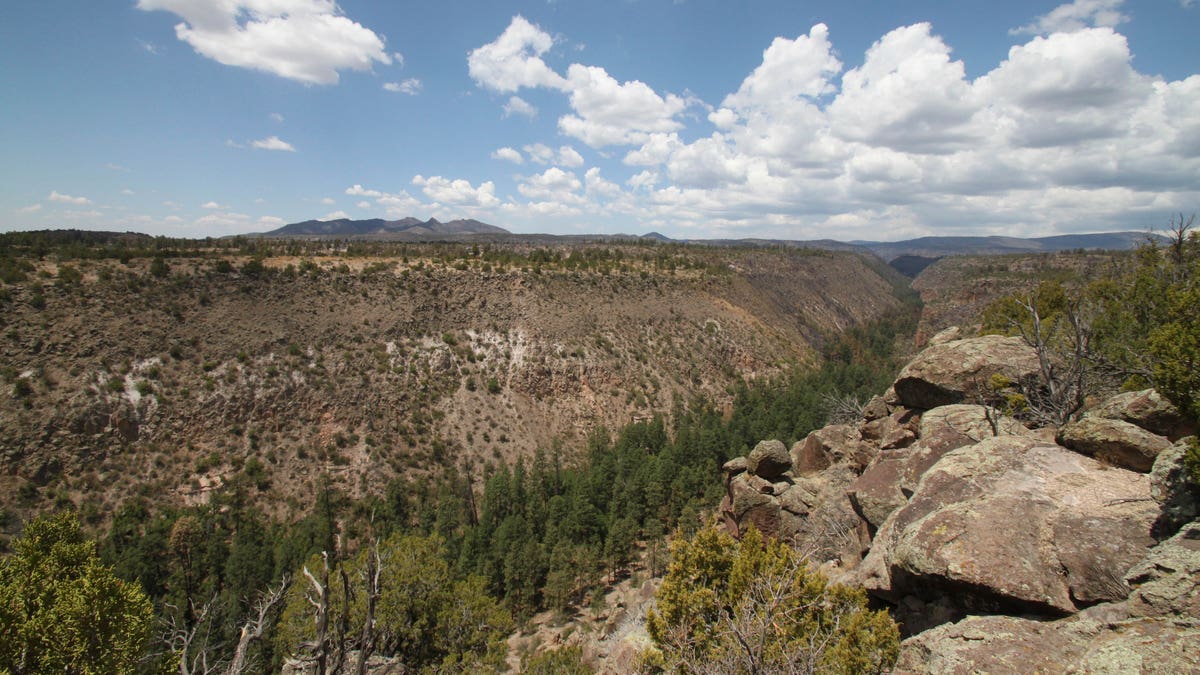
x,y
1115,441
1171,487
1014,524
961,370
1157,630
1002,548
1147,409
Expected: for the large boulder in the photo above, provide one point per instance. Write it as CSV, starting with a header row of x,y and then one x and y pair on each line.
x,y
1167,582
1157,630
769,459
953,372
886,484
1014,523
1004,644
1114,441
1147,409
1171,486
832,444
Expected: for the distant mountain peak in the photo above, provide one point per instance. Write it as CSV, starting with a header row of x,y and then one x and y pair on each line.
x,y
378,227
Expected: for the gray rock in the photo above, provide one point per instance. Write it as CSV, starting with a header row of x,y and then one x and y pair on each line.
x,y
1171,487
1114,441
769,459
1147,409
1002,644
1167,582
958,371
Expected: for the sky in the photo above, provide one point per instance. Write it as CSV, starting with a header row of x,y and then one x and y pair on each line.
x,y
790,119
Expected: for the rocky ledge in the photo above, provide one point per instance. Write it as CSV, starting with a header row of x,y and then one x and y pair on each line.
x,y
1001,548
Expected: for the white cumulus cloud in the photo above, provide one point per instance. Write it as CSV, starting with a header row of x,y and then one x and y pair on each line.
x,y
509,155
519,106
514,60
304,40
458,191
1076,16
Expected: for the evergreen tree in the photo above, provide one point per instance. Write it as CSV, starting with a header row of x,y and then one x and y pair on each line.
x,y
62,611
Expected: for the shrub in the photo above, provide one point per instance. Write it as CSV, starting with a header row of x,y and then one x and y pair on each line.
x,y
755,606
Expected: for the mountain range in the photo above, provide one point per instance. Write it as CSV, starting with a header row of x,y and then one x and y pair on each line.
x,y
378,227
924,247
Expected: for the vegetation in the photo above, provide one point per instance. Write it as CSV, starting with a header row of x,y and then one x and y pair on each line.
x,y
62,610
486,547
755,606
1133,328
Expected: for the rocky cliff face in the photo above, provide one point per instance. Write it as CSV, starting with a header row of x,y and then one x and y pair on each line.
x,y
1000,548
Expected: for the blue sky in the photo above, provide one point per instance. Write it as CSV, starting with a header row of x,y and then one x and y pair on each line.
x,y
695,118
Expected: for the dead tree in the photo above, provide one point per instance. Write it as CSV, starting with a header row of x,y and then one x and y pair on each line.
x,y
372,576
1063,363
190,643
318,597
252,629
192,646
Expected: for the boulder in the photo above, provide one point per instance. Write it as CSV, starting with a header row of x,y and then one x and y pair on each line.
x,y
1157,630
896,430
875,408
769,459
876,493
886,484
1167,582
1172,488
836,443
812,513
1114,441
1147,409
734,466
1002,644
961,370
1014,524
750,505
946,335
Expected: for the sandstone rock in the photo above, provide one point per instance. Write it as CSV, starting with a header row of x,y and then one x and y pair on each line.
x,y
1001,644
836,443
812,514
1012,523
960,370
946,335
1167,581
1114,441
876,493
893,431
967,422
1171,487
886,484
1147,409
734,466
749,505
875,408
769,459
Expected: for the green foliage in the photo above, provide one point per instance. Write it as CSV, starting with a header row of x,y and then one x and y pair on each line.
x,y
62,611
159,268
755,606
561,661
423,615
